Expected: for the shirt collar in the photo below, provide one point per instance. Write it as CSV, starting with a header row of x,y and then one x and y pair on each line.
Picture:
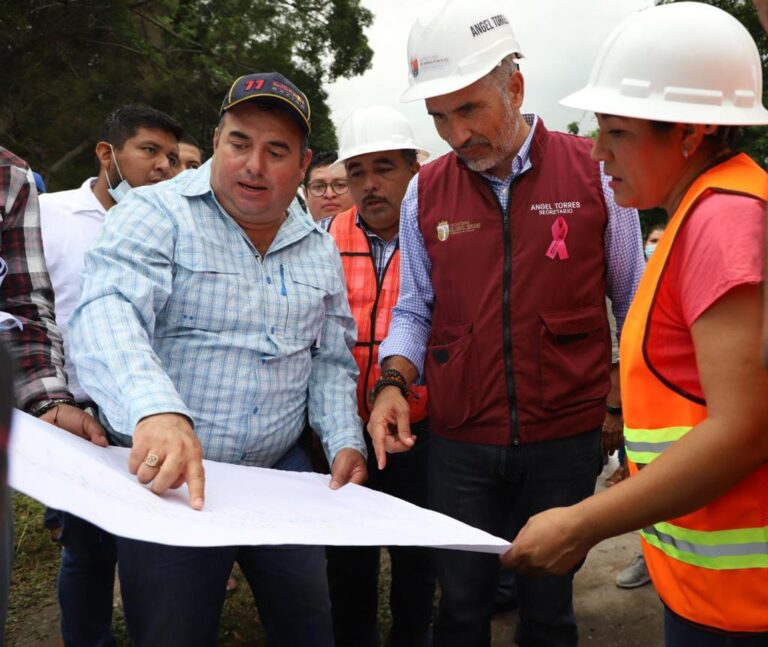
x,y
198,181
295,227
372,234
87,198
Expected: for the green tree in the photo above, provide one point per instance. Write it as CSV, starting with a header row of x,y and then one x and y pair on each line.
x,y
753,141
573,128
66,64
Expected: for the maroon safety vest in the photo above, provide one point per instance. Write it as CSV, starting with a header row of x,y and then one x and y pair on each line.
x,y
520,345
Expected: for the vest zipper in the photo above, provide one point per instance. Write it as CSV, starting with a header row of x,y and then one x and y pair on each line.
x,y
506,320
374,312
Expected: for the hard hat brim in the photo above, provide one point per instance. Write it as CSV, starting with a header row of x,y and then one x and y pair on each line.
x,y
439,87
445,85
609,102
380,147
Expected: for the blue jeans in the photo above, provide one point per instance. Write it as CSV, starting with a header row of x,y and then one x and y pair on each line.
x,y
86,583
497,489
353,572
680,633
173,595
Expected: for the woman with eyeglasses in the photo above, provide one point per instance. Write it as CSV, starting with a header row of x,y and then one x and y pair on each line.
x,y
669,88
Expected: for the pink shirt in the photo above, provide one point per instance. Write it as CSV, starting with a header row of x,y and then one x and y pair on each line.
x,y
718,248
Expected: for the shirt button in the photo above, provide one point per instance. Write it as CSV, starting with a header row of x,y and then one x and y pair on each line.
x,y
272,330
263,361
243,456
255,410
269,279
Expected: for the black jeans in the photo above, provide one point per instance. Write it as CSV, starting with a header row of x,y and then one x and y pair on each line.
x,y
353,572
173,595
497,489
86,583
680,633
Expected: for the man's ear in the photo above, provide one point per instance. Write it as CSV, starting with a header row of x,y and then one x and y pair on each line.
x,y
307,159
104,155
516,88
414,168
216,136
305,163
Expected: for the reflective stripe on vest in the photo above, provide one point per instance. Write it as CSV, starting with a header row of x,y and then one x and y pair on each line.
x,y
715,549
646,445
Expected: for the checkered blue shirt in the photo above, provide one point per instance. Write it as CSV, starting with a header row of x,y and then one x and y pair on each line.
x,y
179,313
381,250
412,316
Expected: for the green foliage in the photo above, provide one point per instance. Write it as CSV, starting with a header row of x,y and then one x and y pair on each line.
x,y
573,128
753,141
66,64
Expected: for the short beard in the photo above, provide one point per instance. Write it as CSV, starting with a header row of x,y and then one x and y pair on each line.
x,y
506,144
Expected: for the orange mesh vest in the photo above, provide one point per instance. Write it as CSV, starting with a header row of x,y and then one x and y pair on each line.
x,y
710,566
371,303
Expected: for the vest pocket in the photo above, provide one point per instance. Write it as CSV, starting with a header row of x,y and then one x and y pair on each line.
x,y
574,355
450,368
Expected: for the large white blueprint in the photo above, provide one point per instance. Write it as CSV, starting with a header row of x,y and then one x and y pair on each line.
x,y
243,505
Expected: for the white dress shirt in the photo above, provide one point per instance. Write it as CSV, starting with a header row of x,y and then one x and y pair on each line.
x,y
69,221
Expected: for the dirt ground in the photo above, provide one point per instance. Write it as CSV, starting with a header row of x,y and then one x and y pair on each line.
x,y
607,616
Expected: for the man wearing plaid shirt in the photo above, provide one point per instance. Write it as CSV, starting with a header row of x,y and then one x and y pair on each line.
x,y
213,318
27,322
28,328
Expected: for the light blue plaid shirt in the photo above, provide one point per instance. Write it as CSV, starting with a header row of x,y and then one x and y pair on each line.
x,y
412,316
179,313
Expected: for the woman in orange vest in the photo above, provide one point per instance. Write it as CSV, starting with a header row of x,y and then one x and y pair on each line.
x,y
668,88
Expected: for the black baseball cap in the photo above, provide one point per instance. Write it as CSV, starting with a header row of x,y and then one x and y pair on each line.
x,y
270,87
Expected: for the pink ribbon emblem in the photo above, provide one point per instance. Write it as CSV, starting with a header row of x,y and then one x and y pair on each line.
x,y
557,246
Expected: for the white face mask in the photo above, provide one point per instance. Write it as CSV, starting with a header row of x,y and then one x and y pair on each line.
x,y
649,249
118,192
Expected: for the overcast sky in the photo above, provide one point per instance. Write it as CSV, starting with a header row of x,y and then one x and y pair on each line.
x,y
559,39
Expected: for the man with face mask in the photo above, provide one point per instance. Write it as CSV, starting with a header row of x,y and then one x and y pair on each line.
x,y
138,147
653,238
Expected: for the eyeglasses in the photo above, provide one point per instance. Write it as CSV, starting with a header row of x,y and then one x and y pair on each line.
x,y
317,189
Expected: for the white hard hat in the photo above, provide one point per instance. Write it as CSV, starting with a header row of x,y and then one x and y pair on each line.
x,y
454,43
684,62
373,129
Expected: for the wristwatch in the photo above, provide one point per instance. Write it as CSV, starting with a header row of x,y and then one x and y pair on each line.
x,y
43,406
614,411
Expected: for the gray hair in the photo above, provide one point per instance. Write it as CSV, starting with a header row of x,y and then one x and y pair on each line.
x,y
505,68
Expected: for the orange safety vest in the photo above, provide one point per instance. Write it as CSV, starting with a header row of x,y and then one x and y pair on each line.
x,y
371,303
710,566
